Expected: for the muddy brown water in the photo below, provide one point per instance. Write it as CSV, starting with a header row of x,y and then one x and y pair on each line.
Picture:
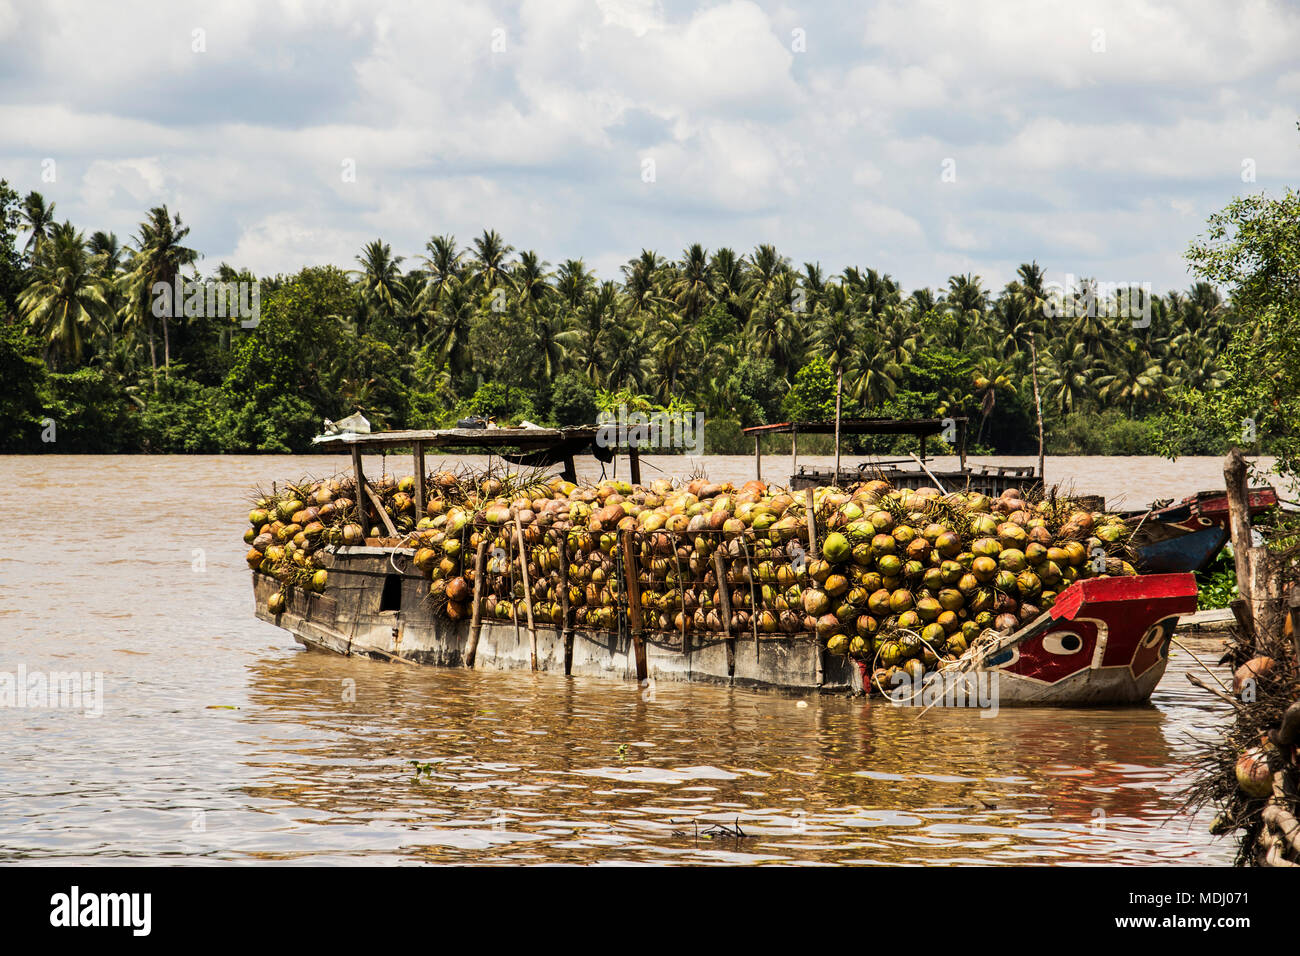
x,y
221,739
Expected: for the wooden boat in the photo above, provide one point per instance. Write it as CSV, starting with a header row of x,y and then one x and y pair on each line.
x,y
900,472
1186,535
1104,642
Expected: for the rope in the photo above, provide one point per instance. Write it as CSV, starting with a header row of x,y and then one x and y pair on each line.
x,y
1189,653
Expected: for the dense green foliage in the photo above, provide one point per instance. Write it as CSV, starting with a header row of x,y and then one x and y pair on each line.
x,y
746,339
1253,248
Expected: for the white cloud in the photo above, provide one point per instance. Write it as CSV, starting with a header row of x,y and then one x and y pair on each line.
x,y
1091,162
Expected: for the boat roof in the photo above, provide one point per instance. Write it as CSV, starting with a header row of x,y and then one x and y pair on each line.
x,y
862,426
530,438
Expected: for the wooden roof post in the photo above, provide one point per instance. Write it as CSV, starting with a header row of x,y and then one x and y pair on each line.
x,y
758,457
634,460
839,389
419,480
359,476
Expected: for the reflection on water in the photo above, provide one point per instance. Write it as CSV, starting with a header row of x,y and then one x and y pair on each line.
x,y
222,740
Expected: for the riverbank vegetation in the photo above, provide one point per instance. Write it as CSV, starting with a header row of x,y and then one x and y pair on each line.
x,y
482,328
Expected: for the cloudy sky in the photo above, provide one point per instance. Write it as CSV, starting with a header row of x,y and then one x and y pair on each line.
x,y
920,138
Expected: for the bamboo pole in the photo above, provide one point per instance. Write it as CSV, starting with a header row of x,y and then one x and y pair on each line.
x,y
839,394
565,615
383,515
813,549
1038,405
634,607
419,480
528,592
724,598
359,476
476,614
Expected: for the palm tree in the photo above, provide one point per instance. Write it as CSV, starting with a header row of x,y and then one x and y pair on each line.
x,y
967,302
532,282
692,289
489,263
380,280
640,281
38,217
159,257
65,300
1135,380
1067,376
443,265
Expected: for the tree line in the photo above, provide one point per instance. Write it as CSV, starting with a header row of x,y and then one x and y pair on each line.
x,y
485,329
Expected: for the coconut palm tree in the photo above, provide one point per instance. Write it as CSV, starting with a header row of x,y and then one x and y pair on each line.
x,y
490,262
967,303
692,288
65,300
442,265
379,278
1135,378
158,257
1067,376
38,218
532,282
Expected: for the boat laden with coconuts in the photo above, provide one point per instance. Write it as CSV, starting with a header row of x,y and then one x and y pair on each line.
x,y
923,596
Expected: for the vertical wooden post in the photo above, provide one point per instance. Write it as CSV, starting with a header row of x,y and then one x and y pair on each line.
x,y
634,606
476,615
961,443
839,390
528,591
758,458
724,598
1234,479
814,550
1038,406
419,480
633,591
809,507
634,463
359,476
565,610
794,453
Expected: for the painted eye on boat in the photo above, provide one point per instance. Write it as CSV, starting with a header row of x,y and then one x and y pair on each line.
x,y
1156,633
1063,644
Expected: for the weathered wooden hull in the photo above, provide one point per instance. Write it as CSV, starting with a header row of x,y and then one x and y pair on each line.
x,y
350,619
1121,626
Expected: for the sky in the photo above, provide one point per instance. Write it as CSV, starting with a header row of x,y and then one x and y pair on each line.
x,y
920,138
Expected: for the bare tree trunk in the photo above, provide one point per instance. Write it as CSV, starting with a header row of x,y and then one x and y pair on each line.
x,y
153,357
1259,573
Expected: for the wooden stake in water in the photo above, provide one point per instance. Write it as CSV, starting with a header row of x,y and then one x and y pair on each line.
x,y
476,615
528,591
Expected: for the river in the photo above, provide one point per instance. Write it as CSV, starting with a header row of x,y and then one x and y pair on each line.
x,y
220,739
